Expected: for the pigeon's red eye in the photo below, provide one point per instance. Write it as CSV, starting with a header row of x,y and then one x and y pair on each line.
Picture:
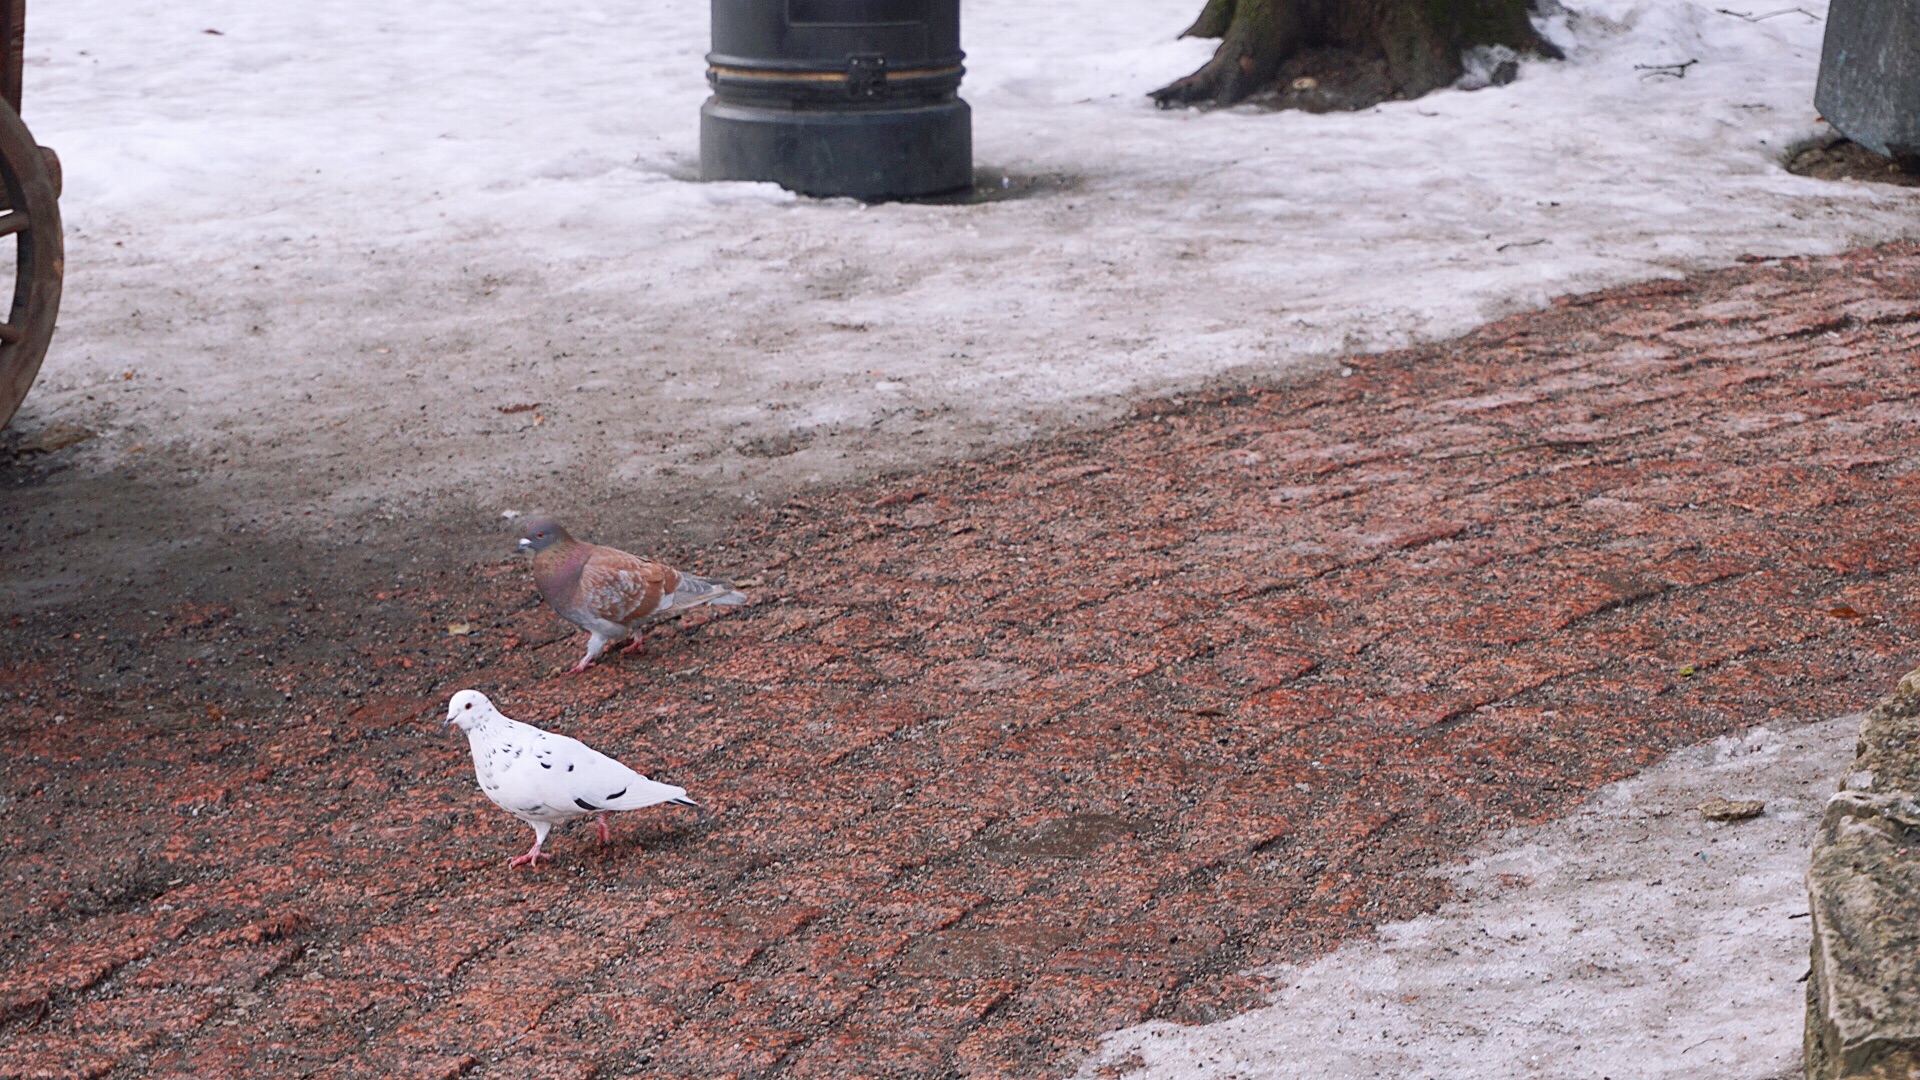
x,y
468,705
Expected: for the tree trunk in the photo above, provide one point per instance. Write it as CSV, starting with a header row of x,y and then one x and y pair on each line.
x,y
1420,41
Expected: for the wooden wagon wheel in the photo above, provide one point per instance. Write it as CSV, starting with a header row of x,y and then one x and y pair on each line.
x,y
32,218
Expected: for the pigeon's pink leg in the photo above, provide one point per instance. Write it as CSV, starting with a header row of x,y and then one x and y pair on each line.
x,y
638,644
595,644
532,856
600,826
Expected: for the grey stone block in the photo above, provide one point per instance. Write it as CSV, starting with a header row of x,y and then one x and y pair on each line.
x,y
1869,87
1863,991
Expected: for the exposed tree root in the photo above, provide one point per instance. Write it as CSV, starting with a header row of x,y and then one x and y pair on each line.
x,y
1420,41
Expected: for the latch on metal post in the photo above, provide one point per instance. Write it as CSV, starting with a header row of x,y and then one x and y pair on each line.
x,y
866,75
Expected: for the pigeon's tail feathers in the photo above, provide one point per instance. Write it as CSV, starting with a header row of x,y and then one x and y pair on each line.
x,y
693,592
641,792
685,802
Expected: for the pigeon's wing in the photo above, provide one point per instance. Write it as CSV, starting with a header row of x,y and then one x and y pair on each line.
x,y
696,591
541,776
623,588
605,784
515,765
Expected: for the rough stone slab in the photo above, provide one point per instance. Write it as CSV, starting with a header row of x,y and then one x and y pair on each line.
x,y
1869,87
1863,992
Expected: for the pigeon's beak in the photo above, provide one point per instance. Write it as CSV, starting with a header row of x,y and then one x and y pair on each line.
x,y
525,544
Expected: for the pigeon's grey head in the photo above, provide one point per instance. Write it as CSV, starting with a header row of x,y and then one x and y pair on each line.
x,y
541,533
468,707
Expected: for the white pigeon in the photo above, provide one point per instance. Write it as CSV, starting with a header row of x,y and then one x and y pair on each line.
x,y
544,779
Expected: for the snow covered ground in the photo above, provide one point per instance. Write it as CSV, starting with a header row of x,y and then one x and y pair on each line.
x,y
314,255
1631,939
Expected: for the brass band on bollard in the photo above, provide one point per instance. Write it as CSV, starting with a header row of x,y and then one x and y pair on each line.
x,y
716,72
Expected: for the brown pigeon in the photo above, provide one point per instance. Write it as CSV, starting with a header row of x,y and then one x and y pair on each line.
x,y
606,591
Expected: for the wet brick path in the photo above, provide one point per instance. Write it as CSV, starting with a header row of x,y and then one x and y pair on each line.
x,y
1006,753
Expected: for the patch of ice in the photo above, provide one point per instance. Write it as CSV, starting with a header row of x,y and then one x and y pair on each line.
x,y
1625,940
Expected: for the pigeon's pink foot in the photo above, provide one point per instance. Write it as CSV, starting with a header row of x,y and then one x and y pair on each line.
x,y
585,663
600,826
531,857
637,645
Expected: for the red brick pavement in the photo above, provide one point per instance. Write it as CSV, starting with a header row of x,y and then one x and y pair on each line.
x,y
1006,753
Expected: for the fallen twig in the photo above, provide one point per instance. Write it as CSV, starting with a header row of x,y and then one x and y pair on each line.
x,y
1678,71
1751,17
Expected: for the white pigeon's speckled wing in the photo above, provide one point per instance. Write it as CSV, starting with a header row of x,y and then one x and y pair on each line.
x,y
540,776
524,770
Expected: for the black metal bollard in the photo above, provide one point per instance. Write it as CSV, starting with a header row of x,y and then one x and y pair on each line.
x,y
838,97
1869,87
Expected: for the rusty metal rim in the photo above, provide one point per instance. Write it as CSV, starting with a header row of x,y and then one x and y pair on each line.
x,y
33,217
